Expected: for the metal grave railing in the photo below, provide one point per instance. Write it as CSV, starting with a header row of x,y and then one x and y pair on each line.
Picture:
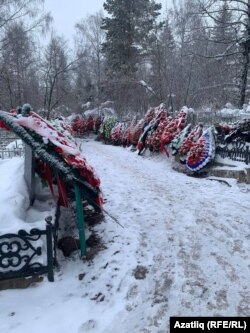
x,y
21,253
237,150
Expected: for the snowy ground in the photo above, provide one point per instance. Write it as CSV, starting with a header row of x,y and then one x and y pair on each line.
x,y
15,210
187,237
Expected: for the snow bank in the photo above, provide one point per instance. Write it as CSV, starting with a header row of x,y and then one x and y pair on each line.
x,y
15,144
15,210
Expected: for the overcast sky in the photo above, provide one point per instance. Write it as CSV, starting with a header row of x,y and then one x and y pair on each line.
x,y
67,12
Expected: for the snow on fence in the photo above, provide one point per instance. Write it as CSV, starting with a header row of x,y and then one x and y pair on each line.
x,y
212,117
236,150
10,153
10,146
225,115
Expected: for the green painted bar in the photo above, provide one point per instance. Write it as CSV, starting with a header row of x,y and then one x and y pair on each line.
x,y
80,221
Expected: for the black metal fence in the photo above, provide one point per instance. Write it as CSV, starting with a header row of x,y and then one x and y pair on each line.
x,y
21,253
237,150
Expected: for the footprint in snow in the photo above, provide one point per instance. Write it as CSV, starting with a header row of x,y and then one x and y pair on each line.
x,y
87,326
132,292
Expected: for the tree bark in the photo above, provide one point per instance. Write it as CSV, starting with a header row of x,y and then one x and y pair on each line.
x,y
246,60
243,85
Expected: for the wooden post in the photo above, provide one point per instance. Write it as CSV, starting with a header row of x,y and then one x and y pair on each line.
x,y
80,221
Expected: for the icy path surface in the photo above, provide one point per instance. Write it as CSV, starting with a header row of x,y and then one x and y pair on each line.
x,y
188,238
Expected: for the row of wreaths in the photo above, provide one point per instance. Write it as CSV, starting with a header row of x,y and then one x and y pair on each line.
x,y
160,132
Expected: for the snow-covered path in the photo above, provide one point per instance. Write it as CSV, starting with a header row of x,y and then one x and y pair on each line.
x,y
184,250
192,235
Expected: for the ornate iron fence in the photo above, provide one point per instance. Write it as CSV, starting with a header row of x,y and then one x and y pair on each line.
x,y
20,253
237,150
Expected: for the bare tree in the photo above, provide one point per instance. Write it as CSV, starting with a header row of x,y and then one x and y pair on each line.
x,y
189,70
90,38
56,72
239,41
19,20
29,11
18,80
163,64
